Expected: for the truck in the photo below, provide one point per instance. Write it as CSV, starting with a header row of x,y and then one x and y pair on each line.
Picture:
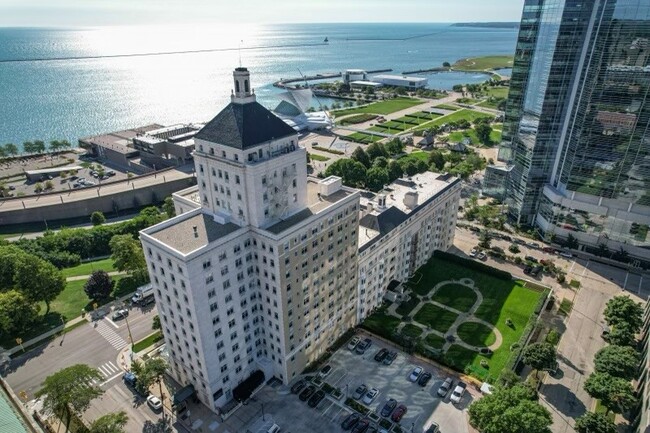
x,y
143,295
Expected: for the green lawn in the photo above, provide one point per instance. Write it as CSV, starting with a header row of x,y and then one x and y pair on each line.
x,y
362,137
497,92
483,63
147,341
501,300
419,154
435,317
317,157
447,107
458,136
73,299
357,118
383,107
470,115
381,323
88,268
411,331
406,307
435,341
476,334
489,104
456,296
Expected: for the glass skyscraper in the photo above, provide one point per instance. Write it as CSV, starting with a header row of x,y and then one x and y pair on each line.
x,y
577,129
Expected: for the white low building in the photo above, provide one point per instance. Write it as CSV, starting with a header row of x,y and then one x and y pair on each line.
x,y
411,83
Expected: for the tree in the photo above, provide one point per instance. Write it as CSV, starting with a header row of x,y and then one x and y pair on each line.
x,y
38,187
446,65
150,372
571,242
394,147
156,323
376,178
127,254
618,361
11,149
17,313
376,150
69,391
361,156
97,218
513,248
158,427
410,167
48,185
352,172
594,423
168,206
614,393
509,378
99,286
484,239
623,310
38,280
510,410
110,423
54,145
437,159
28,147
483,131
381,162
602,250
539,356
394,170
622,335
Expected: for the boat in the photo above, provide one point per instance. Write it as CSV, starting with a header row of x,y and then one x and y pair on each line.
x,y
326,40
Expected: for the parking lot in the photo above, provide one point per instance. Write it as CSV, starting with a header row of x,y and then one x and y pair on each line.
x,y
349,370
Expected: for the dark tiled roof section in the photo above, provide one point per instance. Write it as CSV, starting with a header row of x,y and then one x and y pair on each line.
x,y
385,221
244,125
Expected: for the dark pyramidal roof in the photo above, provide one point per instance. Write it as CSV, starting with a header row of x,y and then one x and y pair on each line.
x,y
244,125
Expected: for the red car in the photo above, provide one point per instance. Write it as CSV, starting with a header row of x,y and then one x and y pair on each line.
x,y
399,412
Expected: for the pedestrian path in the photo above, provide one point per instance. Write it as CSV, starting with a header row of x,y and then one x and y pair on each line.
x,y
110,335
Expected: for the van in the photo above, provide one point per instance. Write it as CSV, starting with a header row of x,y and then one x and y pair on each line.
x,y
273,429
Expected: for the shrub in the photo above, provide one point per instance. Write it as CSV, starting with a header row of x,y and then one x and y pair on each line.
x,y
472,264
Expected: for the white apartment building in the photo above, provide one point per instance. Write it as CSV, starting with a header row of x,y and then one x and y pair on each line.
x,y
399,230
258,271
260,268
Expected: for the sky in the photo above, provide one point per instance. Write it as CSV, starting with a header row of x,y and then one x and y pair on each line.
x,y
61,13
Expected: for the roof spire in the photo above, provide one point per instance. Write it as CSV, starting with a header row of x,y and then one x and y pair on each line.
x,y
243,94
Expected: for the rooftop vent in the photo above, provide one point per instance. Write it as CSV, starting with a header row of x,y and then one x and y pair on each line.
x,y
196,231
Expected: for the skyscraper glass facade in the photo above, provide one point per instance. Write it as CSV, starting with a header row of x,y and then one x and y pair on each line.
x,y
578,122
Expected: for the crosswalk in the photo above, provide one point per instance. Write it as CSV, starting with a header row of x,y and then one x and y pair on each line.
x,y
109,369
110,335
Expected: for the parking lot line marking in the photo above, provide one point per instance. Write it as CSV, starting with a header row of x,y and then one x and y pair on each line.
x,y
627,274
109,379
586,267
112,323
640,283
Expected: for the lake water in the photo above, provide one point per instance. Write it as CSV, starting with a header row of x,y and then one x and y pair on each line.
x,y
79,97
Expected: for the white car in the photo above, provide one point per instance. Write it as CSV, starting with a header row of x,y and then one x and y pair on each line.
x,y
458,393
370,395
473,253
154,402
415,374
353,343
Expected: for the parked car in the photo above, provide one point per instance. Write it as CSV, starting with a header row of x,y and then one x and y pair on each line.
x,y
325,371
474,229
390,358
567,255
536,270
154,402
370,395
527,269
458,393
445,387
534,245
316,398
361,426
433,428
350,421
298,386
481,256
372,428
381,355
415,374
363,346
388,407
353,343
424,379
518,241
110,173
530,259
548,250
398,413
120,314
307,392
360,392
130,378
506,238
273,429
473,253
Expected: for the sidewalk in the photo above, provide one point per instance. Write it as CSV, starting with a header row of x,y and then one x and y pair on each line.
x,y
85,277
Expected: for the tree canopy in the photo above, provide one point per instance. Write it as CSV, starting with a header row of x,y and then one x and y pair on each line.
x,y
623,310
361,156
99,285
376,178
510,410
539,355
594,423
127,253
70,391
352,172
17,313
97,218
110,423
614,393
38,280
618,361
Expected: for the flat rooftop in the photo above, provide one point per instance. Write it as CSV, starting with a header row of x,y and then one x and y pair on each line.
x,y
398,77
193,232
316,203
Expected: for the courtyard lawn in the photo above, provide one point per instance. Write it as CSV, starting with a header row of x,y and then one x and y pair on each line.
x,y
362,137
408,306
411,331
434,341
456,296
73,299
476,334
497,92
458,136
317,157
419,154
494,104
382,107
447,107
381,323
88,268
502,300
357,118
483,63
435,317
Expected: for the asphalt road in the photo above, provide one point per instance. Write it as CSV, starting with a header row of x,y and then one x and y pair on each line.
x,y
97,346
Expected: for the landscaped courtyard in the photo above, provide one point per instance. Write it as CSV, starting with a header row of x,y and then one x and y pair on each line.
x,y
470,320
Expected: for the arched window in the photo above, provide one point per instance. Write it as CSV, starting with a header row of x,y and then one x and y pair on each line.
x,y
246,88
237,86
